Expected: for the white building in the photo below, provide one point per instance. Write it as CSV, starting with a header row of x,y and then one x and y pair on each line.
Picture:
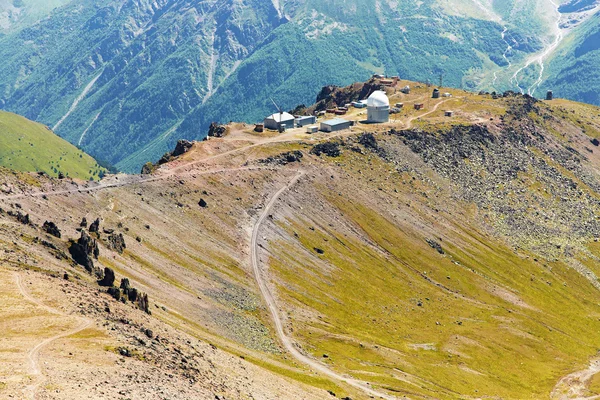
x,y
378,107
280,121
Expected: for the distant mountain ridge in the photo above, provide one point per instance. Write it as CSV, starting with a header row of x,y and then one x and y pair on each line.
x,y
126,79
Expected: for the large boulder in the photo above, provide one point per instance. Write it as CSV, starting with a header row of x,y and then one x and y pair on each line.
x,y
216,130
83,250
51,228
182,147
95,226
108,279
117,242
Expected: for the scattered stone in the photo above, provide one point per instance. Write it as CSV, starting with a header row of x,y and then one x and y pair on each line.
x,y
51,228
319,251
202,203
284,158
83,222
595,142
435,245
124,352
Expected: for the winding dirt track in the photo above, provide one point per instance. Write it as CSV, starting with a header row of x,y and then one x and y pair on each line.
x,y
34,354
409,122
270,301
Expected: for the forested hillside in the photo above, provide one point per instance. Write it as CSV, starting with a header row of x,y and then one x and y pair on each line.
x,y
126,79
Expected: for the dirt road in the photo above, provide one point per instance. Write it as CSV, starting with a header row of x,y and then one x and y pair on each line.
x,y
271,304
33,356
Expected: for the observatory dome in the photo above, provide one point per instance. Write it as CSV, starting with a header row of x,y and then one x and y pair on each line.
x,y
378,99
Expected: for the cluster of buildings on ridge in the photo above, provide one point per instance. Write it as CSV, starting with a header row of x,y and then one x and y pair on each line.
x,y
378,111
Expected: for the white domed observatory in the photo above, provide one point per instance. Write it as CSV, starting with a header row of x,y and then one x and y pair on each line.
x,y
378,107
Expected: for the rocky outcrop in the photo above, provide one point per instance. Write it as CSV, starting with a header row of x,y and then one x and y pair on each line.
x,y
108,279
202,203
331,149
143,303
84,250
51,228
95,226
116,242
334,96
284,158
19,216
216,130
182,147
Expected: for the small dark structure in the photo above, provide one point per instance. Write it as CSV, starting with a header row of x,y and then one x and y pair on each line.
x,y
549,95
436,94
449,113
419,106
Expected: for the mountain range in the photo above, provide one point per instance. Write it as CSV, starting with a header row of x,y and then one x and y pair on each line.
x,y
125,79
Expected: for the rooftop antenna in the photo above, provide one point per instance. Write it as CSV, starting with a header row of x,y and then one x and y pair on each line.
x,y
277,107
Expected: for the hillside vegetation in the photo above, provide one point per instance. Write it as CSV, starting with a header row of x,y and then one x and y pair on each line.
x,y
31,147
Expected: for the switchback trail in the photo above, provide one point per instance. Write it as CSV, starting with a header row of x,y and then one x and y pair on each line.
x,y
34,354
271,304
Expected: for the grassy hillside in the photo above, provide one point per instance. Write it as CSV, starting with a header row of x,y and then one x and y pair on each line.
x,y
32,147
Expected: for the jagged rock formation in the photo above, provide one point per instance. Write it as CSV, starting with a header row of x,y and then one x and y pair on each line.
x,y
95,226
216,130
51,228
108,278
84,250
116,242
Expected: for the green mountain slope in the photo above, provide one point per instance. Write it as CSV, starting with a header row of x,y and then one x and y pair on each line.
x,y
32,147
573,71
119,78
125,79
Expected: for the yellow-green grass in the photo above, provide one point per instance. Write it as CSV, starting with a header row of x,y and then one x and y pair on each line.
x,y
463,340
31,147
